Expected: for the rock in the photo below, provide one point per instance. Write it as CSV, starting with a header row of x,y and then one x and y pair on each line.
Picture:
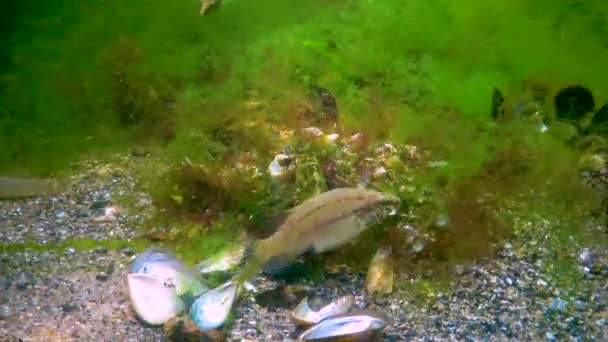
x,y
5,312
324,107
599,123
573,102
67,308
284,296
497,110
559,305
184,329
102,276
128,251
101,250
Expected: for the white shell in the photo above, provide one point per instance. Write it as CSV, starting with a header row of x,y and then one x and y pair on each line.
x,y
153,301
169,269
304,315
211,309
222,262
342,326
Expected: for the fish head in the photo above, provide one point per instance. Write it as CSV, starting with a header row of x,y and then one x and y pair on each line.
x,y
386,205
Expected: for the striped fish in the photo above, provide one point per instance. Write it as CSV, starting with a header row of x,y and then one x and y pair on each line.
x,y
323,223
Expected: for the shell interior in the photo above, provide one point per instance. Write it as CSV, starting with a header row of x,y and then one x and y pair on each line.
x,y
211,309
342,326
153,301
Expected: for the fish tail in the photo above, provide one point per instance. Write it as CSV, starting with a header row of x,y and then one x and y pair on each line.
x,y
253,264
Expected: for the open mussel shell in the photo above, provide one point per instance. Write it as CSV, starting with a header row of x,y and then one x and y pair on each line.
x,y
361,326
304,315
223,262
211,309
380,273
165,265
153,301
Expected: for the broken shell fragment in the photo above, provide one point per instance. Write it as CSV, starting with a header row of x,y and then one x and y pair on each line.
x,y
211,309
380,273
314,131
223,262
346,327
304,315
153,300
280,165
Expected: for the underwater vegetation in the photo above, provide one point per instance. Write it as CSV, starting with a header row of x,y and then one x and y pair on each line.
x,y
239,115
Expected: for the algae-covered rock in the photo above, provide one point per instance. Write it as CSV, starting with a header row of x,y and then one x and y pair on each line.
x,y
573,102
183,329
324,109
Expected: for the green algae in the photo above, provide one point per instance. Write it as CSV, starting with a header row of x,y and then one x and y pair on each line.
x,y
174,86
78,244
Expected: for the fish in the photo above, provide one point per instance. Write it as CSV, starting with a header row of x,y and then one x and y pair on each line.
x,y
154,301
322,223
12,187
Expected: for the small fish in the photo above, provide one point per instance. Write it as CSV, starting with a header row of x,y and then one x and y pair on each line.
x,y
322,223
28,187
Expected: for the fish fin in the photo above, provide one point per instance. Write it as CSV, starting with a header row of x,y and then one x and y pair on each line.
x,y
276,265
309,252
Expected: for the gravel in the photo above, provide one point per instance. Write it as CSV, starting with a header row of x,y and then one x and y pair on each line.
x,y
504,299
59,296
73,295
86,211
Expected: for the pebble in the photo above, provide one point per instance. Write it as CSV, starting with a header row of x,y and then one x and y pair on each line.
x,y
102,277
5,312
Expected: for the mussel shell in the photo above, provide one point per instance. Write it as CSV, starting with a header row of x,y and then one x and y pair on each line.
x,y
304,315
165,265
380,273
211,309
359,326
153,301
222,263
